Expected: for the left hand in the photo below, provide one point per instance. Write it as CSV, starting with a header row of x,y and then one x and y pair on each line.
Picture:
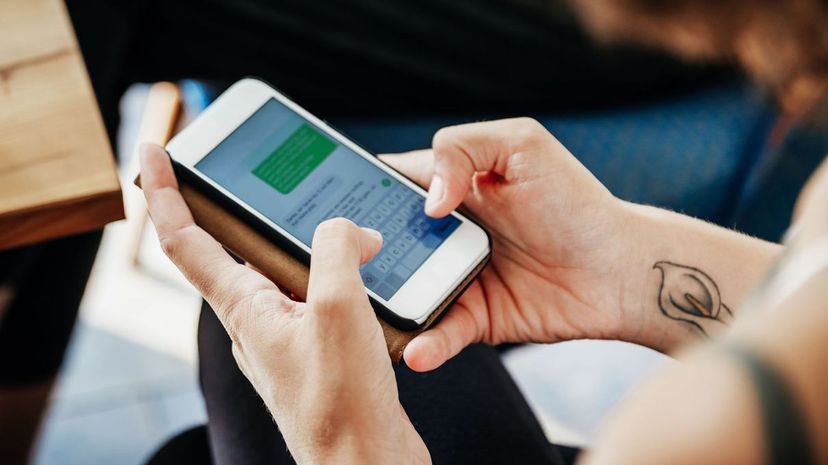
x,y
558,234
321,367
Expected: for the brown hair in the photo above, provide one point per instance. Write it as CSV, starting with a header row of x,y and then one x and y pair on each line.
x,y
783,43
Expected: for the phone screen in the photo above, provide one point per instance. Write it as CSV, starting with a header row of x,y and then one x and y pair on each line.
x,y
297,176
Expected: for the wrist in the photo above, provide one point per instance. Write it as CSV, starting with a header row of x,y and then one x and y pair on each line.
x,y
684,279
340,441
344,450
352,449
656,236
637,290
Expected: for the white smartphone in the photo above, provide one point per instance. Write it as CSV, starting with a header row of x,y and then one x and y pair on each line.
x,y
287,171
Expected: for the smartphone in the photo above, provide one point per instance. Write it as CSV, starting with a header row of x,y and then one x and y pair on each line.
x,y
284,171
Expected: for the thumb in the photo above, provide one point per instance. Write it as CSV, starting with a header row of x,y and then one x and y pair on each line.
x,y
433,347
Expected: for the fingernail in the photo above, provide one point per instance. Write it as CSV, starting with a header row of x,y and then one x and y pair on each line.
x,y
435,193
373,232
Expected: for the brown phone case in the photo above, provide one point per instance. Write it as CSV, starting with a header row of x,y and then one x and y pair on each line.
x,y
287,272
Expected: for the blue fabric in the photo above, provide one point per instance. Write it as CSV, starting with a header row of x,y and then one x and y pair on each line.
x,y
766,200
689,155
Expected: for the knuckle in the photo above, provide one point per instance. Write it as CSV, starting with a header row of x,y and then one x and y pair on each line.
x,y
326,302
450,151
170,244
444,138
342,299
173,241
528,122
529,130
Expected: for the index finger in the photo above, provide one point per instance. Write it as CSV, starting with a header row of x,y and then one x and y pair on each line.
x,y
200,258
335,285
462,151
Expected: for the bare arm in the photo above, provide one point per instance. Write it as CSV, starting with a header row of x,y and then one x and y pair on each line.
x,y
687,278
570,260
707,409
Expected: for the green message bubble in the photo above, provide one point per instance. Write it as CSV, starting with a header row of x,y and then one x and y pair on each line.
x,y
293,161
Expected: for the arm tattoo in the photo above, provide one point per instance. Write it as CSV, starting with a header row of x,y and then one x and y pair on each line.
x,y
689,295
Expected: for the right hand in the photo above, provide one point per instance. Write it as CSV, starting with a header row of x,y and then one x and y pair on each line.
x,y
557,234
320,366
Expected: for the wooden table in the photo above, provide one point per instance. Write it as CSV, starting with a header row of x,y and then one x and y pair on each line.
x,y
57,173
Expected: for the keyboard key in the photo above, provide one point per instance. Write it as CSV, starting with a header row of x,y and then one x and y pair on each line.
x,y
369,279
399,219
398,195
394,227
402,245
394,280
408,238
384,209
377,216
385,291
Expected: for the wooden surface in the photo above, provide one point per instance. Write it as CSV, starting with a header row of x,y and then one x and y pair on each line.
x,y
57,173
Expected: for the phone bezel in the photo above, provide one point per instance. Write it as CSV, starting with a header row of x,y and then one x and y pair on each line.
x,y
429,286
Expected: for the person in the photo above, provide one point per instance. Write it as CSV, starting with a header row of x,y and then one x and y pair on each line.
x,y
572,262
321,366
349,59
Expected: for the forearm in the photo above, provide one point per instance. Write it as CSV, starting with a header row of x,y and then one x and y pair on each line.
x,y
683,279
722,406
792,337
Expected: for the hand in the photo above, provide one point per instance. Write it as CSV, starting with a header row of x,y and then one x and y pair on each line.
x,y
321,367
557,233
